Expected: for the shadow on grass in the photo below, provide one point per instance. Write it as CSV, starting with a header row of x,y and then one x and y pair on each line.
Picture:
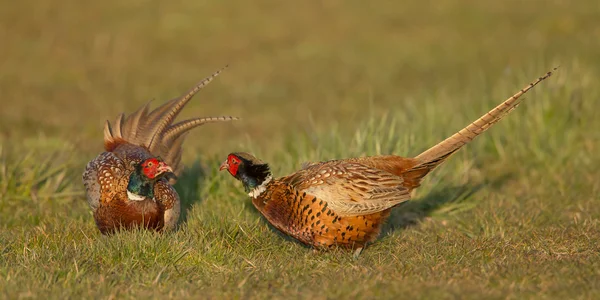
x,y
188,188
449,198
412,212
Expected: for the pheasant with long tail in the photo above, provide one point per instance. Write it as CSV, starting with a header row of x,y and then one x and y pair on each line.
x,y
343,203
129,185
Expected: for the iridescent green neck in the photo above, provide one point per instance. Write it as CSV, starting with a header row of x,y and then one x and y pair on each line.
x,y
140,184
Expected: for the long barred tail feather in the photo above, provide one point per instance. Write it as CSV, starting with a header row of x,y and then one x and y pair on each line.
x,y
437,154
155,130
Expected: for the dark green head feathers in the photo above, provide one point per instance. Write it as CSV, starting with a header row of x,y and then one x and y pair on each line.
x,y
250,170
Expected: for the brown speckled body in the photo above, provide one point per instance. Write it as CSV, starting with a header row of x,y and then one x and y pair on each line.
x,y
129,142
344,202
312,222
304,205
106,179
129,214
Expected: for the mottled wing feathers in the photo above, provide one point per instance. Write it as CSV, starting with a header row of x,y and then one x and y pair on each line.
x,y
105,179
308,164
155,130
350,189
102,179
168,198
128,141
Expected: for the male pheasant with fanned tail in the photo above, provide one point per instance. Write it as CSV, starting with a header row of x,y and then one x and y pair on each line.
x,y
343,203
129,185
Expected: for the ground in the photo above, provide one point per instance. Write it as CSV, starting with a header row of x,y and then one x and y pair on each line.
x,y
514,214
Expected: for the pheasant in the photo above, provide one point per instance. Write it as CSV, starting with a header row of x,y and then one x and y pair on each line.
x,y
129,185
343,203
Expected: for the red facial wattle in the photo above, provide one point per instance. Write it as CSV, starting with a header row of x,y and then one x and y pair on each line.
x,y
152,167
231,164
233,169
150,173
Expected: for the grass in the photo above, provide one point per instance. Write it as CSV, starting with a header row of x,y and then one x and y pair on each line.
x,y
512,215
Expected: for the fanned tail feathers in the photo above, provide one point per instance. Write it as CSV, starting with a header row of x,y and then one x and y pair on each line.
x,y
437,154
155,130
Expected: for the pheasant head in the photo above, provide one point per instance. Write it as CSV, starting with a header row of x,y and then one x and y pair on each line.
x,y
251,171
146,173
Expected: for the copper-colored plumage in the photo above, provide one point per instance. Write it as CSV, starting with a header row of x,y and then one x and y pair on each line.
x,y
344,202
132,140
297,206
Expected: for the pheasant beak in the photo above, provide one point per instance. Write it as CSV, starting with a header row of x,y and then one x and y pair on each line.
x,y
224,166
163,168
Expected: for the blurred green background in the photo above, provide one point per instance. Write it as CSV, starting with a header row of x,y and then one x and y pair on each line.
x,y
67,66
